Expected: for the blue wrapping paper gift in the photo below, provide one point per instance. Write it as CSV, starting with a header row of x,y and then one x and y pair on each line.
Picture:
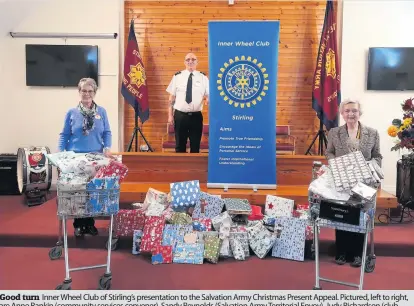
x,y
189,253
103,196
184,194
174,233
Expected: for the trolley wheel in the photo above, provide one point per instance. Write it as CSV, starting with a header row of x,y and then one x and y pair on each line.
x,y
66,285
317,288
55,252
370,264
114,244
105,282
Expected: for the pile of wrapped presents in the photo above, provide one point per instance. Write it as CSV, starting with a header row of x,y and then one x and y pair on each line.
x,y
189,226
88,184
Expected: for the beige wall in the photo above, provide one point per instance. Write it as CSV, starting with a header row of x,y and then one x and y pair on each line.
x,y
375,24
34,116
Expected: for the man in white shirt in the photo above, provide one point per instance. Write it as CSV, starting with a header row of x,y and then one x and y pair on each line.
x,y
187,90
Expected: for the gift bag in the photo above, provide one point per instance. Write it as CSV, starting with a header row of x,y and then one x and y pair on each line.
x,y
184,194
290,238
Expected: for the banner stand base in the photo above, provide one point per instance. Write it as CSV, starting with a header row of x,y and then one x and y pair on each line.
x,y
227,186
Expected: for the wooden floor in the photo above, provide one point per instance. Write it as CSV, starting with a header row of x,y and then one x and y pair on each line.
x,y
158,170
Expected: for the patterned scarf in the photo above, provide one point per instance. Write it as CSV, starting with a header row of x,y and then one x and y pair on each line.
x,y
88,117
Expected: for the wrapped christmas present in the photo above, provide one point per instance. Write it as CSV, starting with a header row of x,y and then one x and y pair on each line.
x,y
278,206
156,196
103,195
168,213
202,224
128,220
189,253
152,233
73,199
218,220
349,169
212,249
174,233
202,236
224,235
243,240
136,242
113,169
256,213
261,240
184,194
237,249
181,218
209,206
59,158
162,255
290,238
237,206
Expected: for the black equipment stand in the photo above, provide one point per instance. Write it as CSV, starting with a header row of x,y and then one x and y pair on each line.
x,y
323,142
137,130
35,197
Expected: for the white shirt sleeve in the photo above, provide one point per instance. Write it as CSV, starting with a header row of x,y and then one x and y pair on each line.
x,y
172,88
207,85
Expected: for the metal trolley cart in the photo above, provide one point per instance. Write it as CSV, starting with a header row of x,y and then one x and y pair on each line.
x,y
366,226
81,204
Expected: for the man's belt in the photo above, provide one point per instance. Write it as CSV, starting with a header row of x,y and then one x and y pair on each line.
x,y
188,113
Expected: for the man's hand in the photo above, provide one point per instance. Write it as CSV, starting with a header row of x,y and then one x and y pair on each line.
x,y
170,119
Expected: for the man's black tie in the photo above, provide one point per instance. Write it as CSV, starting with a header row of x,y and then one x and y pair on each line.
x,y
189,92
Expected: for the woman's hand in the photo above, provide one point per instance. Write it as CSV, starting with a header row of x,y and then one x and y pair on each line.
x,y
107,153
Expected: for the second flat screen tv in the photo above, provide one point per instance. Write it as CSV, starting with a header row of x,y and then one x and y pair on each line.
x,y
60,65
390,69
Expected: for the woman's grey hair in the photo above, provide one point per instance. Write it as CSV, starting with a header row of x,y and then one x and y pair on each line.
x,y
87,81
349,101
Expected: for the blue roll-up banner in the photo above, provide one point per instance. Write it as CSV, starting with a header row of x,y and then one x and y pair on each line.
x,y
243,60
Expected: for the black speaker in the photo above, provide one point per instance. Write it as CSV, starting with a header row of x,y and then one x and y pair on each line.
x,y
405,181
8,174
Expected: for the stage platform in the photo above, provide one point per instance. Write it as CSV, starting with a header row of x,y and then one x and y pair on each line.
x,y
158,170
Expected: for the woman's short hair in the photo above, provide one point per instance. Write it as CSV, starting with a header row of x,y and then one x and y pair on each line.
x,y
349,101
87,81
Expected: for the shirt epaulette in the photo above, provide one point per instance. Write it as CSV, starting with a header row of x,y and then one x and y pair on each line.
x,y
202,73
178,73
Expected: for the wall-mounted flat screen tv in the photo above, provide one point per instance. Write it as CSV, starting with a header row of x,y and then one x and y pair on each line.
x,y
60,65
390,69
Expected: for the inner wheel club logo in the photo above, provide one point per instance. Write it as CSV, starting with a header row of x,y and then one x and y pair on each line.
x,y
242,81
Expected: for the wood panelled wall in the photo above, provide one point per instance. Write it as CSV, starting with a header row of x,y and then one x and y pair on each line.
x,y
167,30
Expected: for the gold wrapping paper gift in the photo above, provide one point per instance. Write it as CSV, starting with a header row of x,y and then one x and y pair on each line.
x,y
181,218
